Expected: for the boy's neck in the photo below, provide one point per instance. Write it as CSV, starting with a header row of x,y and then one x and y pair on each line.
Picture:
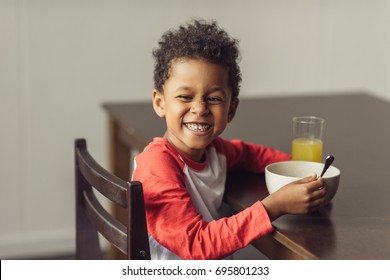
x,y
197,157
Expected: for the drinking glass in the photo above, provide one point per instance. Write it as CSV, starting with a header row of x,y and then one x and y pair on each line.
x,y
307,138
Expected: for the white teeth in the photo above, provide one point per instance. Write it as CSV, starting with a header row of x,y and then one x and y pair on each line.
x,y
197,126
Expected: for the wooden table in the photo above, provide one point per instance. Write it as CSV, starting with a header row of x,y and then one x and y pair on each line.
x,y
355,225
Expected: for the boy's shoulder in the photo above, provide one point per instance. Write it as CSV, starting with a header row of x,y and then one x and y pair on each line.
x,y
159,152
158,162
159,147
226,146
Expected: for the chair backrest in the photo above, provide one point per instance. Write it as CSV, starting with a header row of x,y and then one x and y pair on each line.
x,y
91,217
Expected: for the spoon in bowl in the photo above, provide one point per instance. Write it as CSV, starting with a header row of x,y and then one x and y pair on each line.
x,y
328,162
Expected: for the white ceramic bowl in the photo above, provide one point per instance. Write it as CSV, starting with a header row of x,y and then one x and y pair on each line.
x,y
282,173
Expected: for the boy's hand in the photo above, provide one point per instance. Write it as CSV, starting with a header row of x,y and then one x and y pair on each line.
x,y
299,197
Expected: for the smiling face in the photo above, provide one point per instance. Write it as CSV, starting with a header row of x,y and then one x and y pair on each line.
x,y
196,104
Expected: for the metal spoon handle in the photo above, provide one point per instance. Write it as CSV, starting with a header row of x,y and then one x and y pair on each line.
x,y
328,162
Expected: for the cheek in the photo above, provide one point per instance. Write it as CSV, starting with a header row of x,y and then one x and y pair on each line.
x,y
175,111
221,117
177,106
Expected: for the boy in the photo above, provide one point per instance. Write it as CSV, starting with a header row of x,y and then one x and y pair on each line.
x,y
197,82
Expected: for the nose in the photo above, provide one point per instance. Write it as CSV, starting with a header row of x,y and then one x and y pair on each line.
x,y
199,107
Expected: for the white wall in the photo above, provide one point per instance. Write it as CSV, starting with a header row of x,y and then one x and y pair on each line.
x,y
60,59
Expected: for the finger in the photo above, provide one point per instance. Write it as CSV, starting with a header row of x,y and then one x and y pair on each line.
x,y
318,194
318,203
315,184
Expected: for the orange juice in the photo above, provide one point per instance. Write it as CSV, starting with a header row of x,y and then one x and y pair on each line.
x,y
307,149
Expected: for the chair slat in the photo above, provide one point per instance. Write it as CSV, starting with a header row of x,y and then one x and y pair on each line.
x,y
109,227
108,185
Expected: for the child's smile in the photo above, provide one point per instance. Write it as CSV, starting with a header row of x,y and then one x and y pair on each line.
x,y
198,128
196,104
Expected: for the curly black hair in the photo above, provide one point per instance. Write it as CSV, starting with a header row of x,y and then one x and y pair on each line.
x,y
198,40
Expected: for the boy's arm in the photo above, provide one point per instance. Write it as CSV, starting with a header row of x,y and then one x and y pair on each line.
x,y
249,156
174,222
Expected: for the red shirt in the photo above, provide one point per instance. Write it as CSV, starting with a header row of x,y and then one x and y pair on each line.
x,y
183,199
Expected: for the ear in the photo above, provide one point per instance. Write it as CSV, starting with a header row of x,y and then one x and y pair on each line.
x,y
232,109
159,103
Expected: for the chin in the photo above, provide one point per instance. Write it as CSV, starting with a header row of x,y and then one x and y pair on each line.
x,y
196,145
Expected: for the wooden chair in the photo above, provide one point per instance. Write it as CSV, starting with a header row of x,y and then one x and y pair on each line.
x,y
91,217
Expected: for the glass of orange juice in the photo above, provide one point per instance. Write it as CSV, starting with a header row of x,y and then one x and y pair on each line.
x,y
307,138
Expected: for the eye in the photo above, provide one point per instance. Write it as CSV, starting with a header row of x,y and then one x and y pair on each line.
x,y
184,98
215,100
